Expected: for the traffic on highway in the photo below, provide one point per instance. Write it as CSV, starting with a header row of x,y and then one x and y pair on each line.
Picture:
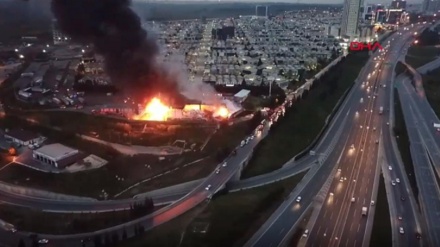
x,y
355,171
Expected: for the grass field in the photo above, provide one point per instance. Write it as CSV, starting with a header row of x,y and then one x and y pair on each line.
x,y
381,233
298,129
230,219
419,55
400,68
403,144
431,84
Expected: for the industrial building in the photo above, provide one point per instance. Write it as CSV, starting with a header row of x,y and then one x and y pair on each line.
x,y
21,137
56,155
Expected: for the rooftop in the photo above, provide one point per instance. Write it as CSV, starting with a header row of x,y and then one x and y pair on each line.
x,y
22,135
56,151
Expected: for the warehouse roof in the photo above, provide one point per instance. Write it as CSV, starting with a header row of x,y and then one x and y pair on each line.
x,y
22,135
56,151
242,94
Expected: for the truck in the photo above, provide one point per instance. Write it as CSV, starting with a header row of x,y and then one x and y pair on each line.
x,y
381,110
364,211
437,126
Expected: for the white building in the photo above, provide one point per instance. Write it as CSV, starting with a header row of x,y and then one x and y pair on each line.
x,y
56,154
350,18
242,95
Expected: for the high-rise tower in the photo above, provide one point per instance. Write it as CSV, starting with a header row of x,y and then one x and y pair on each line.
x,y
350,18
431,6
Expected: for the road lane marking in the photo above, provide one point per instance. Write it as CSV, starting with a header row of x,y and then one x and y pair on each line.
x,y
359,226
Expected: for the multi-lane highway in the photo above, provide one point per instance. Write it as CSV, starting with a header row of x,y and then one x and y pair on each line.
x,y
273,232
364,152
424,151
199,194
339,218
341,222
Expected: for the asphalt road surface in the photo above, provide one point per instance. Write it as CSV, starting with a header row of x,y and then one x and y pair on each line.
x,y
424,152
273,232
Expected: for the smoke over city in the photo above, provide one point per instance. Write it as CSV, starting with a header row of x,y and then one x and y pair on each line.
x,y
116,33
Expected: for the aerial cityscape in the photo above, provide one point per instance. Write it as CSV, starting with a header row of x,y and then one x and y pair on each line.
x,y
219,123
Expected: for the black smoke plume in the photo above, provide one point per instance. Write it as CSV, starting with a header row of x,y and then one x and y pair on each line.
x,y
116,33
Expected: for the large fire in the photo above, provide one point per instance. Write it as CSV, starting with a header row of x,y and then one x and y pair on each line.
x,y
156,110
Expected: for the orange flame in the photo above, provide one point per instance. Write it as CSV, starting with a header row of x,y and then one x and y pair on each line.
x,y
155,110
221,112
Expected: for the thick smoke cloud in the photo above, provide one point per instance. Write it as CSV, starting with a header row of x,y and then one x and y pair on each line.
x,y
116,33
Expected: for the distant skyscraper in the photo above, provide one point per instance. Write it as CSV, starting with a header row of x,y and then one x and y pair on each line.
x,y
431,6
350,18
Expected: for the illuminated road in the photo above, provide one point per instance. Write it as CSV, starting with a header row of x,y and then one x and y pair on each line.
x,y
340,221
424,152
197,196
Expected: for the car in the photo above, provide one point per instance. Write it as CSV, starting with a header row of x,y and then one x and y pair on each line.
x,y
399,218
306,233
353,199
43,241
339,170
298,199
368,127
390,168
397,180
208,187
393,183
402,198
224,164
377,141
341,179
372,203
401,231
13,230
352,145
388,123
217,171
331,194
374,128
418,235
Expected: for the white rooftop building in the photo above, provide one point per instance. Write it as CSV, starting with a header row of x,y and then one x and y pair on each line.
x,y
55,154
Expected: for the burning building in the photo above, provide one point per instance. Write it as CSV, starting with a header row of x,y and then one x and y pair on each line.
x,y
158,110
